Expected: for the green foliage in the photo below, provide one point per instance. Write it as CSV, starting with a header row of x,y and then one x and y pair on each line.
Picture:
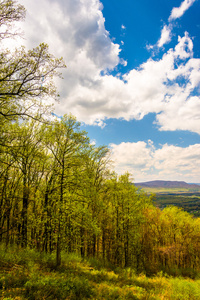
x,y
26,76
184,289
190,202
78,280
59,197
50,287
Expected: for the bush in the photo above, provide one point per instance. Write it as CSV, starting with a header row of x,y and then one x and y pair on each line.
x,y
14,279
182,289
50,287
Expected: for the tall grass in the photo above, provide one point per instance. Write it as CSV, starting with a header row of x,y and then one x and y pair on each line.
x,y
27,274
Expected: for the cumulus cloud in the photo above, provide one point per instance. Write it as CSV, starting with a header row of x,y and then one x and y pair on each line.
x,y
154,87
145,162
165,36
177,12
75,29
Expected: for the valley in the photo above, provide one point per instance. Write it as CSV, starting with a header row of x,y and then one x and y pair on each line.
x,y
177,193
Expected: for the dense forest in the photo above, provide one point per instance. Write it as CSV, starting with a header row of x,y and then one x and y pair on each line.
x,y
58,191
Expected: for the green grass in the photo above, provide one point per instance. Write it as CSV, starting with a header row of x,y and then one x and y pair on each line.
x,y
27,274
162,190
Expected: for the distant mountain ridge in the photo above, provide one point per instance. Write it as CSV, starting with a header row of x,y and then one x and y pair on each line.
x,y
167,184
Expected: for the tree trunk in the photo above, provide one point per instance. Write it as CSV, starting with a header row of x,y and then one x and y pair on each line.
x,y
58,249
24,230
60,216
8,228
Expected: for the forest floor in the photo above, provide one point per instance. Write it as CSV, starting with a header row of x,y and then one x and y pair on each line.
x,y
27,274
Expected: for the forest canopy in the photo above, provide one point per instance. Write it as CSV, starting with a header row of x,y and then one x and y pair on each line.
x,y
58,191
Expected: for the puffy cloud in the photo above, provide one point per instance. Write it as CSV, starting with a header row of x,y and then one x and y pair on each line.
x,y
166,32
181,115
157,86
145,162
75,29
177,12
184,47
165,36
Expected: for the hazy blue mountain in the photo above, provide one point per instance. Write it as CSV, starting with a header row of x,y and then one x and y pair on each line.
x,y
167,184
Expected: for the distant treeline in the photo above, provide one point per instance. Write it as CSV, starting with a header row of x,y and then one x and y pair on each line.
x,y
190,202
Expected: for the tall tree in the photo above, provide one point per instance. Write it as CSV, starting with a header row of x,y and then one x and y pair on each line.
x,y
26,154
26,77
66,143
96,173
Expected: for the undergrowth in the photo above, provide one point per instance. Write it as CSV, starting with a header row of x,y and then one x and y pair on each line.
x,y
27,274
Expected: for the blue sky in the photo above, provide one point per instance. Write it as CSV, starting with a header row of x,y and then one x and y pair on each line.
x,y
132,78
143,21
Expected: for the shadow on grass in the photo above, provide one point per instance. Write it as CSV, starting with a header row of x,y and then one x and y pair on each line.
x,y
27,274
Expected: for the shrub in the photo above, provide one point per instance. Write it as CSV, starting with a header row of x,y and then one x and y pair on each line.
x,y
50,287
182,289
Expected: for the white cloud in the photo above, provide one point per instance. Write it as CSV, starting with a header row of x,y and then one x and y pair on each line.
x,y
75,30
93,142
165,36
166,33
72,28
184,48
145,163
177,12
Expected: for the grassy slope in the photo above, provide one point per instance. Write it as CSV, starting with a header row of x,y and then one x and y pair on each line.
x,y
30,275
162,190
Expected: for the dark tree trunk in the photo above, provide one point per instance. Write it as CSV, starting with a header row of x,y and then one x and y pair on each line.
x,y
24,230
